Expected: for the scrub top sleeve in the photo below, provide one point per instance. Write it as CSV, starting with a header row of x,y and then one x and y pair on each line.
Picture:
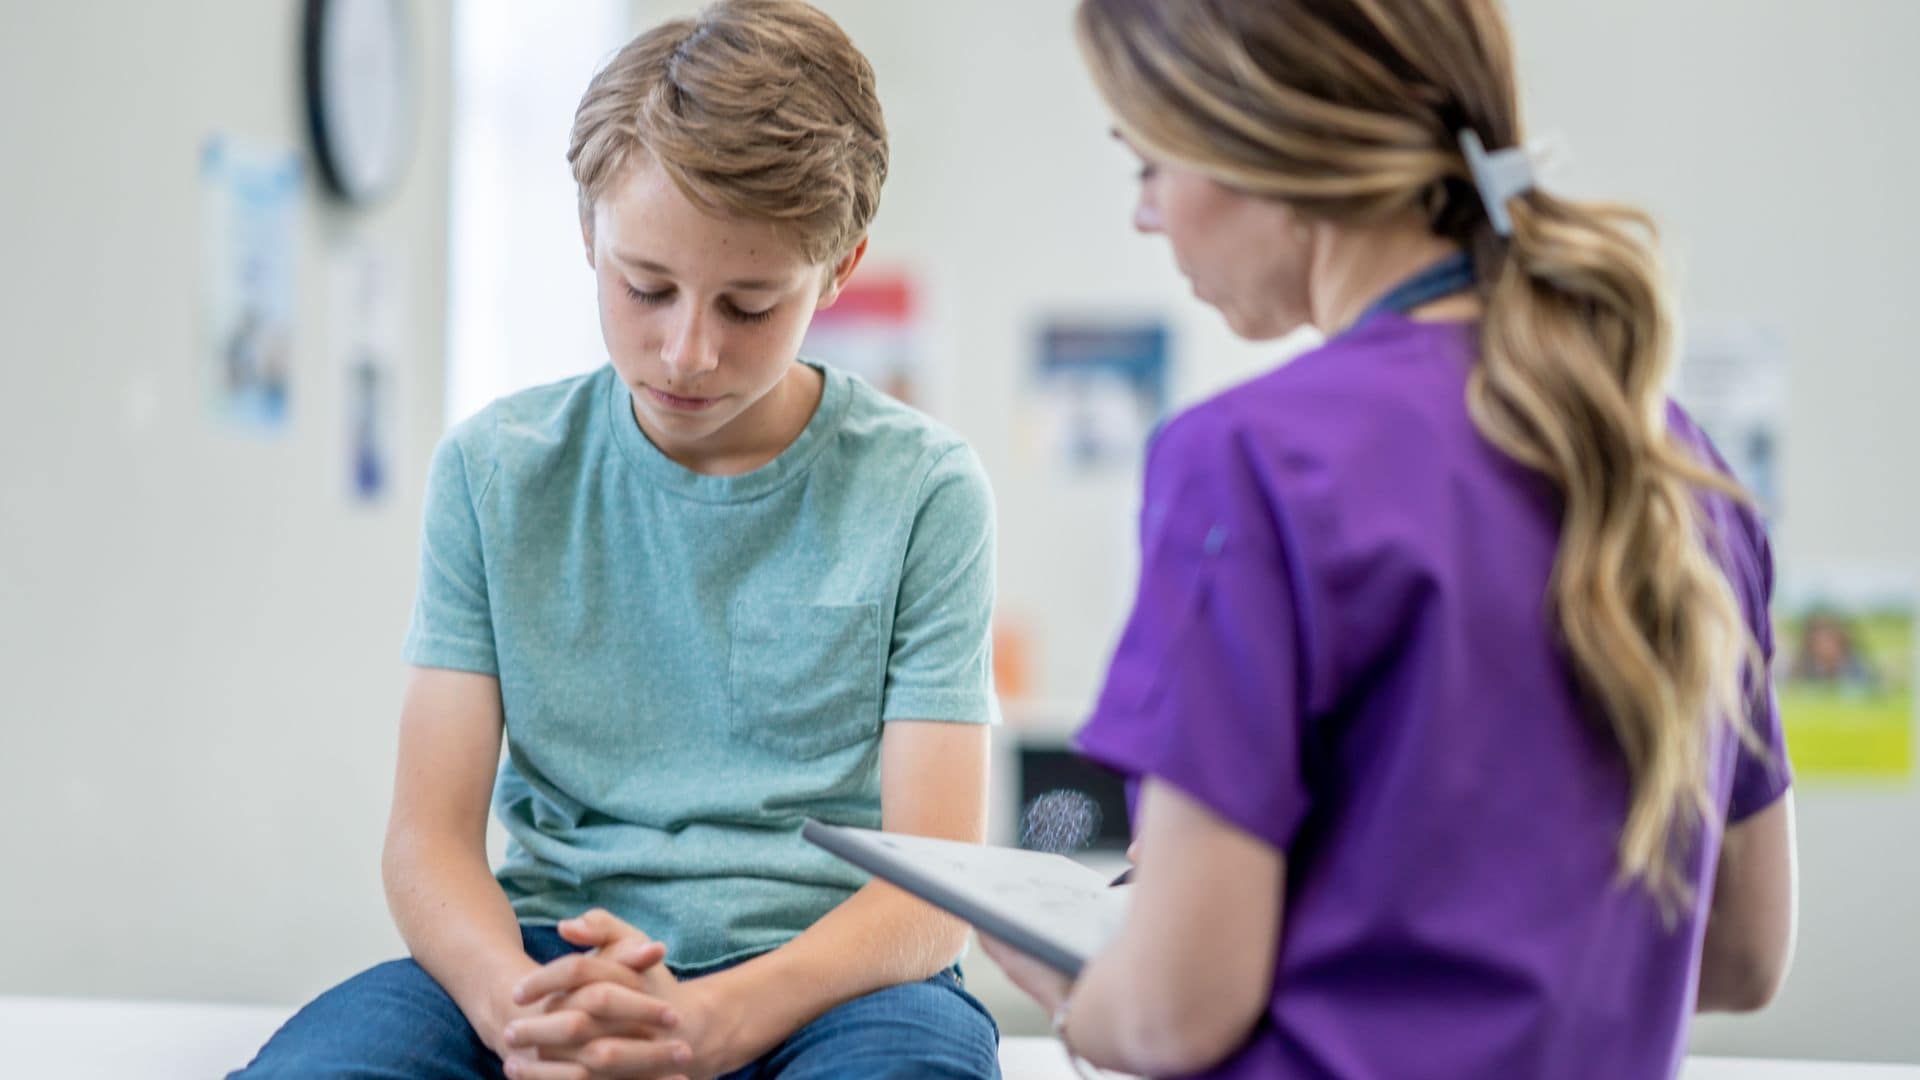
x,y
1206,688
1761,774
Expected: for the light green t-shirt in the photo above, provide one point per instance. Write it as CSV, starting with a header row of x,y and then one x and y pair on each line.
x,y
690,664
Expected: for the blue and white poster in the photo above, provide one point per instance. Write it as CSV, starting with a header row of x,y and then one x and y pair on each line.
x,y
367,311
1102,387
1733,380
250,255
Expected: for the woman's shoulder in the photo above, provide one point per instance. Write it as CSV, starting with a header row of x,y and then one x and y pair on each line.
x,y
1390,395
1741,542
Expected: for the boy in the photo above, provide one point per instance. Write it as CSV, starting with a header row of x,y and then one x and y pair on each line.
x,y
706,592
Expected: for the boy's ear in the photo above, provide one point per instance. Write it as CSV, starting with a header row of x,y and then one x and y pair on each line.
x,y
841,272
586,234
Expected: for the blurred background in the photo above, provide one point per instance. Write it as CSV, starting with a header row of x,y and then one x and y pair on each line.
x,y
230,346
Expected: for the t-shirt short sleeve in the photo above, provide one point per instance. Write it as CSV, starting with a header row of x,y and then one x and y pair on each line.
x,y
940,659
1207,688
452,624
1760,773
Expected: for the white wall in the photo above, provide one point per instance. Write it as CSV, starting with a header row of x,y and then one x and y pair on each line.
x,y
197,644
521,304
199,638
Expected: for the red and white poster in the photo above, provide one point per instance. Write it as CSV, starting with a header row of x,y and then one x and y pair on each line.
x,y
873,331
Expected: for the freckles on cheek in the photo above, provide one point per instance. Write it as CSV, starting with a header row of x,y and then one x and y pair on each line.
x,y
622,327
614,305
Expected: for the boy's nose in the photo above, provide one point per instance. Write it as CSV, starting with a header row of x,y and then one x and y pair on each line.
x,y
692,352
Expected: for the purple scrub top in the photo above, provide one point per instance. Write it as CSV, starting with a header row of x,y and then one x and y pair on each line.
x,y
1342,645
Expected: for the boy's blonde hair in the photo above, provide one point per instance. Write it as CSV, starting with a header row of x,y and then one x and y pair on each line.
x,y
759,108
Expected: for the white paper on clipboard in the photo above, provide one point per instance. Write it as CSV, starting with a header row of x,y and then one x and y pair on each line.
x,y
1048,906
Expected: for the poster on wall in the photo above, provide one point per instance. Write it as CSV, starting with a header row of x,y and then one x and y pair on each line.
x,y
367,317
1101,387
1844,669
250,200
1733,381
873,330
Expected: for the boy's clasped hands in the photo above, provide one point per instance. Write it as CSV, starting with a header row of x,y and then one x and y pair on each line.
x,y
611,1011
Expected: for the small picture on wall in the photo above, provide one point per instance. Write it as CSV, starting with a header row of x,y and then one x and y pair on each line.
x,y
250,198
873,330
1101,387
365,337
1733,381
1843,666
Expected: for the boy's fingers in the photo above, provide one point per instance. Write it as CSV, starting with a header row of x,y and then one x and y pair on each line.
x,y
521,1068
599,926
644,1057
568,1027
570,973
638,955
617,1005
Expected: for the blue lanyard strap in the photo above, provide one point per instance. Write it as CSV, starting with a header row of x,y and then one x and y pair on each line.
x,y
1451,275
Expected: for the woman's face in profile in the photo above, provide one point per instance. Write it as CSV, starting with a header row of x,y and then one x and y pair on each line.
x,y
1243,255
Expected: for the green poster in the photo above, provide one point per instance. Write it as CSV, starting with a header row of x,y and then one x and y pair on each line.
x,y
1843,665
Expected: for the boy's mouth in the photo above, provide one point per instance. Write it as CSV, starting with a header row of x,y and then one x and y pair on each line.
x,y
681,404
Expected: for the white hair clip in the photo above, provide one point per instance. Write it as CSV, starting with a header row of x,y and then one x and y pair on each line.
x,y
1501,176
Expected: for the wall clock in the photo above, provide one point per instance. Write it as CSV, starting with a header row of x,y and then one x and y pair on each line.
x,y
359,82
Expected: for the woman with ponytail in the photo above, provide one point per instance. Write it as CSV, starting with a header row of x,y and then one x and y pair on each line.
x,y
1446,688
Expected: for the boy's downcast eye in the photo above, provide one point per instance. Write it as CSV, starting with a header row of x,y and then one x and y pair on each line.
x,y
739,315
656,297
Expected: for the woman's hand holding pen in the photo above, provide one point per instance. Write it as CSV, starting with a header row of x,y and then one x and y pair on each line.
x,y
1045,985
1042,983
1126,876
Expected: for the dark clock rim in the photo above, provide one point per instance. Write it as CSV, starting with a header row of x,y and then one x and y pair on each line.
x,y
313,60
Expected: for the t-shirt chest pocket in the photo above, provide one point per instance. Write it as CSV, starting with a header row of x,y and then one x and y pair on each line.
x,y
804,679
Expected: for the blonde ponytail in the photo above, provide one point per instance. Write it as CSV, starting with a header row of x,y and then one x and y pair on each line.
x,y
1575,350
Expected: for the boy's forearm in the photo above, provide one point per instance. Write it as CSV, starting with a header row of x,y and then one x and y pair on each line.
x,y
879,937
457,924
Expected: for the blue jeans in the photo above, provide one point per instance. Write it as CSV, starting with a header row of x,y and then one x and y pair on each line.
x,y
394,1021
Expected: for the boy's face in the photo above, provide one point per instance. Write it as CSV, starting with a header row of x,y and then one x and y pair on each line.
x,y
703,317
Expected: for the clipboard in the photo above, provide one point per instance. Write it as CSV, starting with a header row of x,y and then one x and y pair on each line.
x,y
1047,906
